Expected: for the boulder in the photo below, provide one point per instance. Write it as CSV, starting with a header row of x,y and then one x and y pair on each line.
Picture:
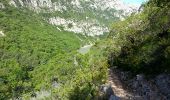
x,y
106,91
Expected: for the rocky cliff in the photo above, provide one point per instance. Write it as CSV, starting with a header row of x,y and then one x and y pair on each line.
x,y
88,17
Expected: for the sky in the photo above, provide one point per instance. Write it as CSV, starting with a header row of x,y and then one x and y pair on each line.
x,y
135,2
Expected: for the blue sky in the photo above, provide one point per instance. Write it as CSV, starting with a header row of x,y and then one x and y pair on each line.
x,y
138,2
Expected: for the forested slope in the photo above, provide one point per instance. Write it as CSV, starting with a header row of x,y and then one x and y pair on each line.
x,y
138,54
141,42
35,56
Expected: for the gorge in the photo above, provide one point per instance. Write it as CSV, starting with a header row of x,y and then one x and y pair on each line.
x,y
84,50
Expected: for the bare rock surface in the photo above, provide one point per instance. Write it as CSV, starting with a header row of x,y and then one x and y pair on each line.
x,y
2,6
128,87
2,34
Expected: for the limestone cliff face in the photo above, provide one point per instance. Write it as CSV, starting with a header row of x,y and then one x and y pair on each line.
x,y
32,4
90,17
49,5
60,5
2,6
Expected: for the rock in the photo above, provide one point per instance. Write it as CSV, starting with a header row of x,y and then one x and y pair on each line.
x,y
2,34
2,6
140,77
157,88
163,83
124,76
107,91
12,2
135,84
113,97
89,27
55,85
155,96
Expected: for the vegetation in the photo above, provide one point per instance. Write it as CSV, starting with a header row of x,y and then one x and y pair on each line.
x,y
88,13
35,56
141,42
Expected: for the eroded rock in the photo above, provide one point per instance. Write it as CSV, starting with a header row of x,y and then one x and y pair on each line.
x,y
2,6
89,27
163,83
113,97
106,92
157,88
2,34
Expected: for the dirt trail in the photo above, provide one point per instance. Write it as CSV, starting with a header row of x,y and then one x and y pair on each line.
x,y
117,86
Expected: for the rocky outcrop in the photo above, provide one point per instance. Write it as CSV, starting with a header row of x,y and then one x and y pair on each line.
x,y
163,83
35,5
86,27
145,88
2,34
2,6
61,4
155,88
94,13
90,27
114,7
105,92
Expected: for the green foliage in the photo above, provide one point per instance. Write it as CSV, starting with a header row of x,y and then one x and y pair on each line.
x,y
143,40
34,54
29,43
160,3
87,13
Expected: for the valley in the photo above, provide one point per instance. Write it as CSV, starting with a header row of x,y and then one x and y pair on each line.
x,y
84,50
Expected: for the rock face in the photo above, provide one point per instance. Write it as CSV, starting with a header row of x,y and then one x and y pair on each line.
x,y
2,6
61,5
32,4
157,88
106,92
113,97
163,83
90,28
88,17
145,89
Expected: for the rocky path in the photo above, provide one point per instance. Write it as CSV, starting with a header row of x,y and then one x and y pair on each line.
x,y
117,86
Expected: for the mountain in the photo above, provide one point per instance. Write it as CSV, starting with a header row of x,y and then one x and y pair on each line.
x,y
88,17
138,54
40,54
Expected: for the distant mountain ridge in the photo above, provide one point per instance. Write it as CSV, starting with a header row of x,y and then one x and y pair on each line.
x,y
89,17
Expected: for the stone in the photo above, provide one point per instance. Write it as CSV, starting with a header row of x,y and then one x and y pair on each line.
x,y
113,97
157,88
2,34
12,2
107,91
124,76
2,6
163,83
140,77
89,27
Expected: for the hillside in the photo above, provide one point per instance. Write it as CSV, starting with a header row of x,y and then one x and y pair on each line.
x,y
33,53
40,60
138,53
84,50
143,39
88,17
